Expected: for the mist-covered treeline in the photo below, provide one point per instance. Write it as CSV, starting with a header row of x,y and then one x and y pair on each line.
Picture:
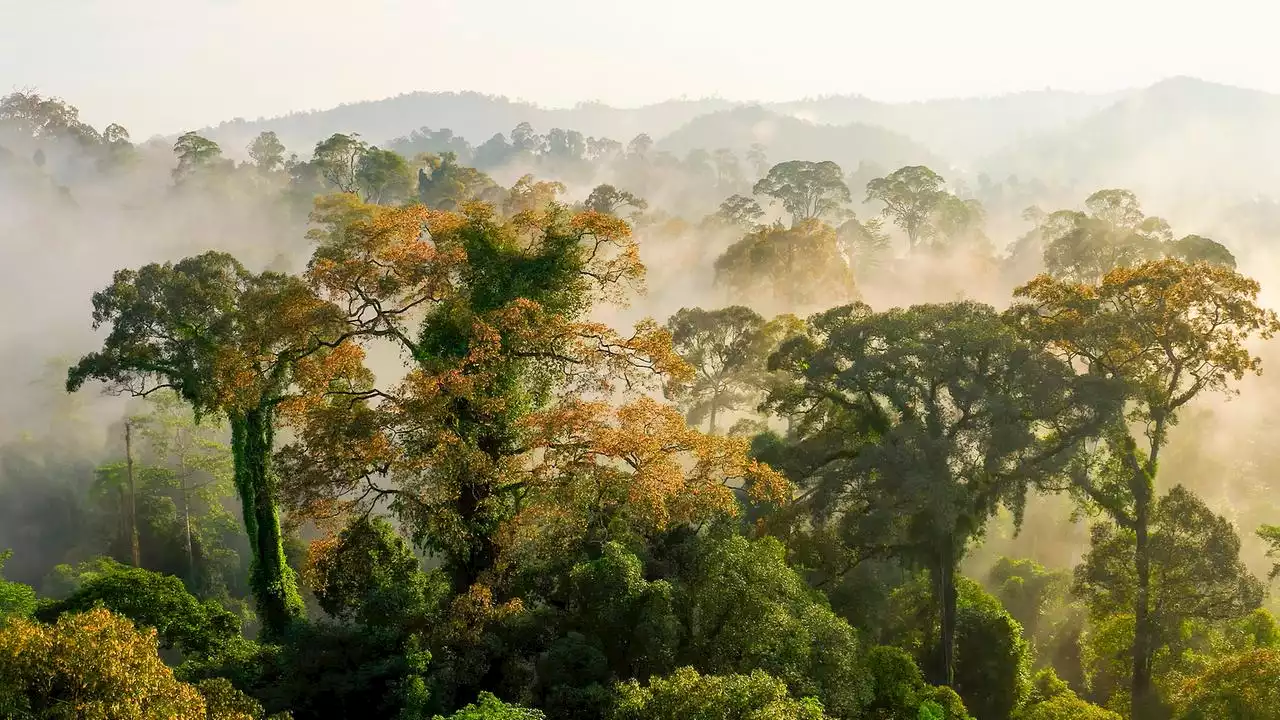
x,y
558,425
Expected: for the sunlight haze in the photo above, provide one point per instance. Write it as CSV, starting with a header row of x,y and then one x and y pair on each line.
x,y
162,67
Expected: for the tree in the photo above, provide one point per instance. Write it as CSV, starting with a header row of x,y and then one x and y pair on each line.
x,y
900,690
488,451
807,190
1052,699
489,707
759,159
745,609
739,211
911,196
267,152
933,452
727,351
1114,232
688,694
338,160
530,195
1245,686
728,169
383,176
446,185
797,265
1197,248
227,341
93,665
866,244
1195,568
195,153
150,599
1163,332
609,200
16,599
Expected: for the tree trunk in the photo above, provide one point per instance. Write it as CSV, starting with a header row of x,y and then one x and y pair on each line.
x,y
944,577
135,546
186,509
275,589
1143,647
715,403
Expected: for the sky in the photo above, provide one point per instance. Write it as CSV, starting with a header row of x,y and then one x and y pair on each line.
x,y
166,66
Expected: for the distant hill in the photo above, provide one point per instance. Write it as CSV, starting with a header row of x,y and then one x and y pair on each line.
x,y
963,129
474,116
789,138
1175,139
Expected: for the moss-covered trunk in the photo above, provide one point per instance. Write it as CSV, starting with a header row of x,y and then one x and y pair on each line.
x,y
275,588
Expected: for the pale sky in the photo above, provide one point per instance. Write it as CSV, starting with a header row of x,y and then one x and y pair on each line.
x,y
164,66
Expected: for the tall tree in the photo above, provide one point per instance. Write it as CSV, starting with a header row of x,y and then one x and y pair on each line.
x,y
337,158
807,190
978,418
227,341
1165,332
797,265
1196,571
911,196
267,152
727,351
489,445
195,153
608,200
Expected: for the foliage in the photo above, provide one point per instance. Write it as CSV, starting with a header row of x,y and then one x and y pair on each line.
x,y
93,666
151,600
16,599
688,694
727,349
807,190
1163,332
911,196
797,265
935,452
745,609
901,692
1051,699
1244,686
489,707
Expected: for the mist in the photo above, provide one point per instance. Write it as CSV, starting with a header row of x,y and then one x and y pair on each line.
x,y
692,181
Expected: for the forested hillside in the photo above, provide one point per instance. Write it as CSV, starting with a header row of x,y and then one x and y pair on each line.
x,y
454,407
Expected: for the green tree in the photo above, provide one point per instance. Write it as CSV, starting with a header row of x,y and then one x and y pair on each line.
x,y
16,599
934,452
383,176
739,211
195,154
609,200
807,190
688,695
267,152
745,609
489,707
798,265
1052,699
153,600
1164,332
1196,575
337,159
227,341
911,196
727,349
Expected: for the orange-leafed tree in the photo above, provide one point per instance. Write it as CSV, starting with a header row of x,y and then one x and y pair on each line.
x,y
94,665
500,437
1162,333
